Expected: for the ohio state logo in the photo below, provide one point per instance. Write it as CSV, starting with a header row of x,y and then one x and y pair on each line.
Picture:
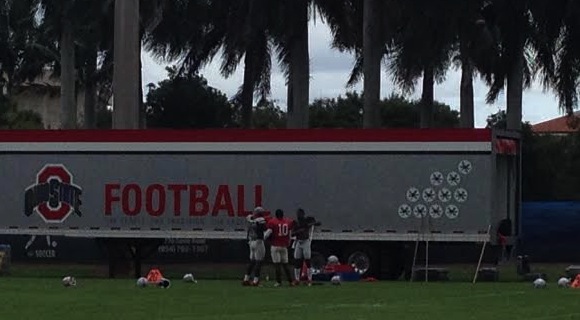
x,y
54,196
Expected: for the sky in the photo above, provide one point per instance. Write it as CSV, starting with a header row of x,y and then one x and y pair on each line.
x,y
330,70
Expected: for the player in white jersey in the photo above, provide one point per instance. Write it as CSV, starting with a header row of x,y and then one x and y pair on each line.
x,y
256,228
303,230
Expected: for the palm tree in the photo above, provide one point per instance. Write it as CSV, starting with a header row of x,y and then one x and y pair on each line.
x,y
96,57
191,32
423,46
248,35
535,36
59,20
431,35
555,40
513,70
247,30
67,75
39,44
368,33
291,39
83,32
127,69
293,53
476,51
24,49
373,55
239,28
470,41
133,20
94,51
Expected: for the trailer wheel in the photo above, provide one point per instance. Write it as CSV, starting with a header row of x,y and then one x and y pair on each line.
x,y
363,259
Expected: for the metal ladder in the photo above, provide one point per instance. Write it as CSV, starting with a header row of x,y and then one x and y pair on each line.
x,y
423,234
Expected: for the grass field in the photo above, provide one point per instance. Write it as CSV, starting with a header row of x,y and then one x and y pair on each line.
x,y
47,299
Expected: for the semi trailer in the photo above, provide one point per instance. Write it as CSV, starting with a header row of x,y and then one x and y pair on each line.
x,y
377,192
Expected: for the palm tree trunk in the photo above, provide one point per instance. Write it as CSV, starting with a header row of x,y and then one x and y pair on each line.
x,y
142,107
248,90
68,110
298,115
126,108
515,84
466,103
372,64
90,92
427,98
9,85
290,97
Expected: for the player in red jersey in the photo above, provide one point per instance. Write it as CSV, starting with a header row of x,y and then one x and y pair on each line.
x,y
279,228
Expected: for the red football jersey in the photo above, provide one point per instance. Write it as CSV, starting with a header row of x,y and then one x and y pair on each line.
x,y
280,231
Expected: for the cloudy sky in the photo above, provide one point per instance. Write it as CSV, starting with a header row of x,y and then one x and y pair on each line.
x,y
330,70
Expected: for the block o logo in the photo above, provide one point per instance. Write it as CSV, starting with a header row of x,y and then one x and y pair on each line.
x,y
54,196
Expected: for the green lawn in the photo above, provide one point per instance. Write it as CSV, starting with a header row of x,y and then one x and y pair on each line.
x,y
33,298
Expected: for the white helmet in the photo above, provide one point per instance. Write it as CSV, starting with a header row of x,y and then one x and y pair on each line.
x,y
335,280
142,282
539,283
332,259
564,282
259,210
189,278
69,281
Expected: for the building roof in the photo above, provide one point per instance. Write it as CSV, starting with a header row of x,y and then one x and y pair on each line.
x,y
562,125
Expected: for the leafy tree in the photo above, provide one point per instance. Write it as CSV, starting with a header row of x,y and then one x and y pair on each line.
x,y
186,101
528,38
398,112
267,115
24,49
60,20
104,119
497,120
12,118
550,167
555,40
549,163
94,59
395,111
195,31
82,31
423,46
337,113
414,34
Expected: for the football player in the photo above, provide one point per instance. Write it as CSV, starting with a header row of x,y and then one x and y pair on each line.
x,y
256,228
279,228
303,229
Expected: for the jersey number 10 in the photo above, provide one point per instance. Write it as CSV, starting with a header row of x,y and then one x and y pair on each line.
x,y
282,230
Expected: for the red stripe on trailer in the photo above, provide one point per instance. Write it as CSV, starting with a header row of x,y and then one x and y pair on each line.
x,y
239,135
506,146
